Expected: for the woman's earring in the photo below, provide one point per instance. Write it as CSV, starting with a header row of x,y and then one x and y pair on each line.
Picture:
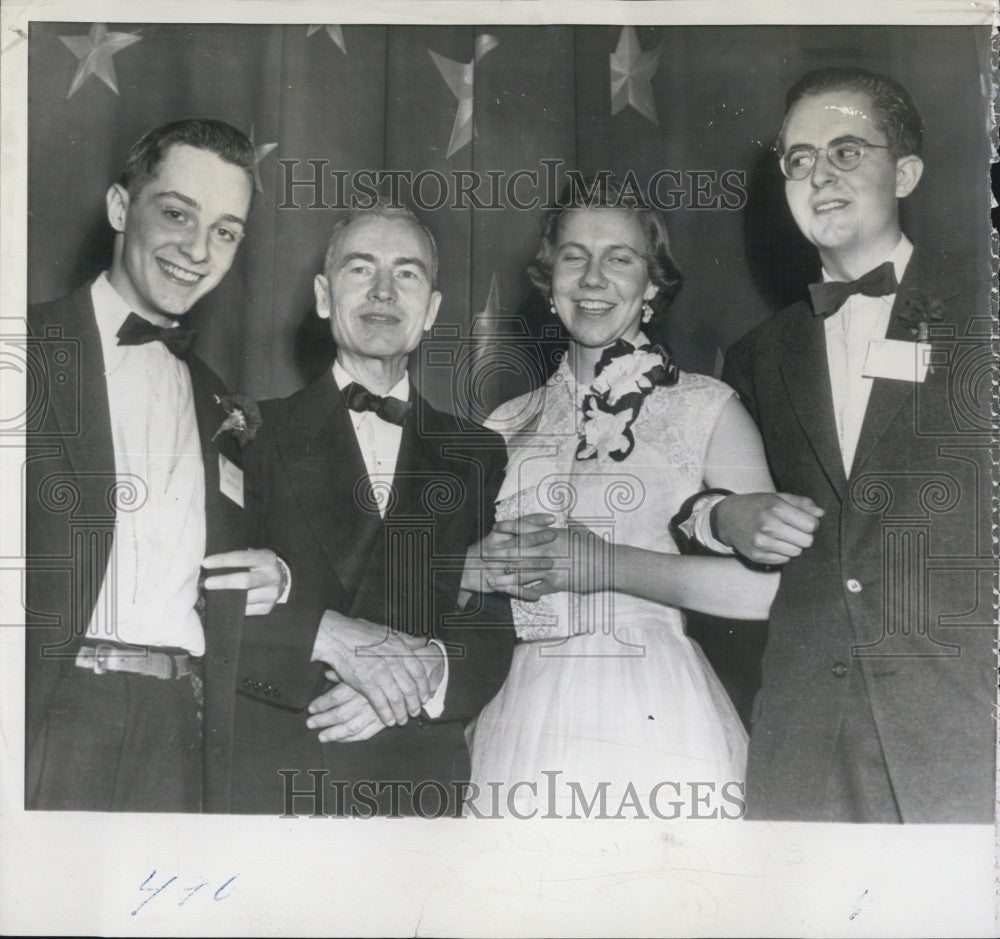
x,y
552,307
647,311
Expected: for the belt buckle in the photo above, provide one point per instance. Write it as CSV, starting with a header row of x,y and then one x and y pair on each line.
x,y
101,653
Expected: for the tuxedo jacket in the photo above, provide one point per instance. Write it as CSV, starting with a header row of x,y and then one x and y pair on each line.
x,y
70,499
310,489
898,581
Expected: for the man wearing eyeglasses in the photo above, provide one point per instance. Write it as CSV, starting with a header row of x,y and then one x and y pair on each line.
x,y
873,401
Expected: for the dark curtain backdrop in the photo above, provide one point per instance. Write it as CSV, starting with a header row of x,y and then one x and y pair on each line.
x,y
542,93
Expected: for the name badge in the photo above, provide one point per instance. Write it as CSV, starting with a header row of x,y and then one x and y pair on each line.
x,y
902,361
231,480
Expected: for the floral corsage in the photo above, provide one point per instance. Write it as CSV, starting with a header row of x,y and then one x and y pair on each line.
x,y
624,377
918,312
242,417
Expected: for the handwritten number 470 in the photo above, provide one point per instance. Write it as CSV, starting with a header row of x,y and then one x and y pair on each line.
x,y
222,893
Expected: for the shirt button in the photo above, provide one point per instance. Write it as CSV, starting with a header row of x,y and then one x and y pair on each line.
x,y
854,586
839,669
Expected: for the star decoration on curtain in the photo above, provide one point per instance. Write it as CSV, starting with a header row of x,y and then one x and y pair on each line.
x,y
632,71
459,77
336,33
96,52
262,151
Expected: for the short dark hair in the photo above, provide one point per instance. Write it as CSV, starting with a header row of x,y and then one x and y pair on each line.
x,y
382,208
895,113
218,137
603,191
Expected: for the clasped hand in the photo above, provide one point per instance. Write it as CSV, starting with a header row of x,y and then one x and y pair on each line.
x,y
382,677
528,557
261,579
766,527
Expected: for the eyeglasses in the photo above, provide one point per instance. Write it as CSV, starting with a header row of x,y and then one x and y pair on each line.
x,y
844,153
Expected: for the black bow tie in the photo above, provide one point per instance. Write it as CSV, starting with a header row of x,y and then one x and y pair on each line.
x,y
390,409
831,295
136,331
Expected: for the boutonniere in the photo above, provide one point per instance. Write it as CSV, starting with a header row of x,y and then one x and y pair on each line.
x,y
623,378
918,312
242,417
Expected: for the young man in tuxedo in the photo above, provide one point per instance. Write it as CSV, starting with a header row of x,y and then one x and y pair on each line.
x,y
354,696
127,491
879,682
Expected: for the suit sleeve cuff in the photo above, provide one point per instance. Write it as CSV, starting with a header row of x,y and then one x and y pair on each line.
x,y
286,581
699,526
691,527
434,707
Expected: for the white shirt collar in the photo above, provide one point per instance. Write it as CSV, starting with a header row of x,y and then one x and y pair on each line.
x,y
400,390
109,308
900,257
111,311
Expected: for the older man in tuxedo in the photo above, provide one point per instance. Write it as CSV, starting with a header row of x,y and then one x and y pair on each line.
x,y
128,486
879,680
353,697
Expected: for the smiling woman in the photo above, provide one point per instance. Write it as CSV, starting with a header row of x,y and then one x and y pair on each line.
x,y
606,687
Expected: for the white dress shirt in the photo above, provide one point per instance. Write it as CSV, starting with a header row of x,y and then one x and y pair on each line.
x,y
379,442
378,439
848,332
151,583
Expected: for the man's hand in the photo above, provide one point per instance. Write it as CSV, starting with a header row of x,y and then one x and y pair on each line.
x,y
261,580
343,715
378,663
346,716
578,560
766,527
502,552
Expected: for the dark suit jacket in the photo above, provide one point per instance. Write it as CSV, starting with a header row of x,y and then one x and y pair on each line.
x,y
309,482
899,578
70,514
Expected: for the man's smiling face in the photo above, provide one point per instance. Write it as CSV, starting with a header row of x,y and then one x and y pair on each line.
x,y
377,290
844,213
179,233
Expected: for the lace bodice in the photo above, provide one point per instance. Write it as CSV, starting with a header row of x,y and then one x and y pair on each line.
x,y
628,502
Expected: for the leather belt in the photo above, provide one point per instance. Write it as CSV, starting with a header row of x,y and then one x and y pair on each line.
x,y
101,657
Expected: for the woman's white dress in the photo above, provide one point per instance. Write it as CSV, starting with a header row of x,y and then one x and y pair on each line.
x,y
605,687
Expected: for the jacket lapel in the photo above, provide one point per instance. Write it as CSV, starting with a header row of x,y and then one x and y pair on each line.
x,y
75,432
805,372
416,466
83,422
225,530
327,476
416,460
888,395
224,522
